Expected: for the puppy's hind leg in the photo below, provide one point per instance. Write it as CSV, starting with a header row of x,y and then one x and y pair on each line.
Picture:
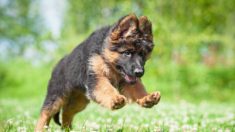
x,y
76,103
49,109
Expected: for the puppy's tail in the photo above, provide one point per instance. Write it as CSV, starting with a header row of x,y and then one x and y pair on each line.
x,y
56,118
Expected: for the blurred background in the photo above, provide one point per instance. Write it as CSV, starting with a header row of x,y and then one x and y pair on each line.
x,y
192,65
193,58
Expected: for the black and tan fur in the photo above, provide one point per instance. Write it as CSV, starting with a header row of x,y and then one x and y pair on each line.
x,y
106,68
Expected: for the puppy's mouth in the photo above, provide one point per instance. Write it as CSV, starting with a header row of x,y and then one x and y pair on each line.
x,y
128,78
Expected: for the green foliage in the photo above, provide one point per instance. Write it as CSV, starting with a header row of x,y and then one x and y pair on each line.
x,y
21,79
193,54
5,78
191,82
222,77
198,15
212,15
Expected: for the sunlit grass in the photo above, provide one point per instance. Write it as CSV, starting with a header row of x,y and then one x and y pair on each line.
x,y
24,87
21,115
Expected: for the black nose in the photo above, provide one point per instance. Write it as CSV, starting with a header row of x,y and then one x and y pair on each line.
x,y
139,72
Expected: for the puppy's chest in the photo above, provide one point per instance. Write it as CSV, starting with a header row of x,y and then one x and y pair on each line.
x,y
114,79
102,69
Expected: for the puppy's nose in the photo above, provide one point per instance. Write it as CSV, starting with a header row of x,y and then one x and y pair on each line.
x,y
139,72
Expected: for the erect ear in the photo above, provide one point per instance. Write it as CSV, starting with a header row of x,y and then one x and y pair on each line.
x,y
145,27
125,27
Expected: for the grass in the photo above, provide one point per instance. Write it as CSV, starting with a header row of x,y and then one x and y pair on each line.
x,y
21,115
21,96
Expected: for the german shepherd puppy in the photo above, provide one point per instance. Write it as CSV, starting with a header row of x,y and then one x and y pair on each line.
x,y
106,68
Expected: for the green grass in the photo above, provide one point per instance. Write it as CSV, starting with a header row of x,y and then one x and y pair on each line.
x,y
21,115
208,108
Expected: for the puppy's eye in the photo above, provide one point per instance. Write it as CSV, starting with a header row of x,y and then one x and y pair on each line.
x,y
127,53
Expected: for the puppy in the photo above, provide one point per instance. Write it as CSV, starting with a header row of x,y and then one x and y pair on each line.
x,y
106,68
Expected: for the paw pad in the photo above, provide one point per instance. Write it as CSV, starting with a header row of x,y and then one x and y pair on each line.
x,y
150,100
118,102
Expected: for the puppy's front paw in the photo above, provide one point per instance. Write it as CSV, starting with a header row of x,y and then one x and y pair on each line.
x,y
150,100
118,102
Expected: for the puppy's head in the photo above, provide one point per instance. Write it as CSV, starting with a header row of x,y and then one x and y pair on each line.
x,y
130,43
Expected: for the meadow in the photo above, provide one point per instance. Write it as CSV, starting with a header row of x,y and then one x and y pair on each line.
x,y
20,115
20,107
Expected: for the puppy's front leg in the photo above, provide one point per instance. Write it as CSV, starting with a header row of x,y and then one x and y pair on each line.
x,y
138,94
106,95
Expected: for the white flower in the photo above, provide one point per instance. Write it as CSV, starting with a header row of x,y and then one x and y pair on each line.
x,y
46,127
157,129
21,129
185,127
120,121
220,130
174,128
10,121
146,125
94,125
227,130
109,120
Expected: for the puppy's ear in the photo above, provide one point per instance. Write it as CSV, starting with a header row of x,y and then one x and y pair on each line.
x,y
125,27
145,27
